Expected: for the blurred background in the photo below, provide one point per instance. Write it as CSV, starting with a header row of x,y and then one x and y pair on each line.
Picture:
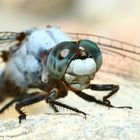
x,y
111,18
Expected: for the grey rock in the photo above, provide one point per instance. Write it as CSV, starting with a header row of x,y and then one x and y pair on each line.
x,y
100,124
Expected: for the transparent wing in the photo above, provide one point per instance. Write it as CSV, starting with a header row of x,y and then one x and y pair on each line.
x,y
8,36
118,57
7,39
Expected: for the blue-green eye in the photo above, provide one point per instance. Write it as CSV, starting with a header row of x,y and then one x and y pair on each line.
x,y
93,50
59,58
62,54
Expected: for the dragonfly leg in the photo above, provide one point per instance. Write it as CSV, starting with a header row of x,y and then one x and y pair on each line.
x,y
51,100
26,102
105,87
104,102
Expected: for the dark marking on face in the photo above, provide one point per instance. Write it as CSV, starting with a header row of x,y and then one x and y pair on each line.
x,y
54,64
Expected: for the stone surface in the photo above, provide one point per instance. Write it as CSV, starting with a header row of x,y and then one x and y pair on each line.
x,y
103,123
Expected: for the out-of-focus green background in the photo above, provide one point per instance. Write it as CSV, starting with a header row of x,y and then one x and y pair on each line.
x,y
119,19
113,18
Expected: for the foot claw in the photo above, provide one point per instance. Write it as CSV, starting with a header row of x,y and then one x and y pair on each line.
x,y
107,102
21,117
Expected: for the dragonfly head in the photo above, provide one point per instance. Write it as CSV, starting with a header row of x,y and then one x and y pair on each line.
x,y
78,59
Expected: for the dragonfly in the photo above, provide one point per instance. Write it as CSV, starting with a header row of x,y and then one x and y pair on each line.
x,y
52,62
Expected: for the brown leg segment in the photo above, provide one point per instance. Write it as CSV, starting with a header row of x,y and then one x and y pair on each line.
x,y
27,102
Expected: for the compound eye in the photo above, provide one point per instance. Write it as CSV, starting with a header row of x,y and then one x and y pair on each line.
x,y
93,51
59,58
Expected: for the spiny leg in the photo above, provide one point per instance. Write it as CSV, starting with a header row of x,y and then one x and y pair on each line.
x,y
26,102
61,93
51,100
90,98
16,99
54,107
7,105
67,107
105,87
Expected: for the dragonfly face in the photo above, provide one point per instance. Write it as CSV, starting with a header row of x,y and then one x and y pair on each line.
x,y
75,62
